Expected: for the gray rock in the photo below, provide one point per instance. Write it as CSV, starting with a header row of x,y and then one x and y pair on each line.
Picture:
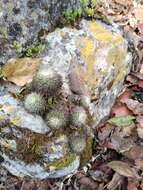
x,y
22,21
29,147
93,60
20,117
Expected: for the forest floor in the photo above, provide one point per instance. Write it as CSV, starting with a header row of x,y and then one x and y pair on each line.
x,y
117,161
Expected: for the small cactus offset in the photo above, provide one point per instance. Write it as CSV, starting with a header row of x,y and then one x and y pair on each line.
x,y
78,116
55,119
34,103
78,144
47,82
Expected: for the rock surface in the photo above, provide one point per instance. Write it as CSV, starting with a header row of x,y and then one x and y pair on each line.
x,y
96,60
30,148
93,62
22,21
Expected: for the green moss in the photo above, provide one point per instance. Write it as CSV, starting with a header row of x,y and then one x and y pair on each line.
x,y
1,73
16,45
72,14
88,9
87,153
34,48
63,162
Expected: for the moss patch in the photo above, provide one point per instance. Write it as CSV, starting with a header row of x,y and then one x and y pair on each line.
x,y
63,162
87,153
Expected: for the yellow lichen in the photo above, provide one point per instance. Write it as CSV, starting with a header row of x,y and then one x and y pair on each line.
x,y
100,33
88,52
89,48
16,121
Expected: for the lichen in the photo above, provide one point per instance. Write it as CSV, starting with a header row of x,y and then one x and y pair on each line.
x,y
88,53
115,57
62,162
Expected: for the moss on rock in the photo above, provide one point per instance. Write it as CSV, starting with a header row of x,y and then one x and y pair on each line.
x,y
62,162
87,152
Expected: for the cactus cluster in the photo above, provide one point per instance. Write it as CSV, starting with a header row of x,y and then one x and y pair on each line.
x,y
68,116
45,83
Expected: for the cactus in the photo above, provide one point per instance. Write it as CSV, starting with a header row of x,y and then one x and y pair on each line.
x,y
34,103
78,116
56,119
47,82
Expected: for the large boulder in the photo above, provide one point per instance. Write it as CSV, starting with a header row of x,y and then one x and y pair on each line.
x,y
95,58
93,62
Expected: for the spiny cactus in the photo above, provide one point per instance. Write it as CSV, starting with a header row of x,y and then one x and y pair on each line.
x,y
56,119
47,81
78,144
78,116
34,103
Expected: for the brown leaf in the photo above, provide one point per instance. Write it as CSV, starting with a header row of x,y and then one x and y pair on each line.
x,y
139,13
140,83
125,95
136,152
140,132
21,71
104,132
139,120
135,80
120,110
139,164
86,182
134,106
132,79
116,182
140,27
122,168
139,75
128,130
27,185
132,185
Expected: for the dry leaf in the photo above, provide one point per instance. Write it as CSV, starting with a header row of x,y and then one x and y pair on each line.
x,y
139,120
139,164
123,2
21,71
122,168
134,106
120,110
116,182
140,132
136,152
133,185
139,13
125,95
